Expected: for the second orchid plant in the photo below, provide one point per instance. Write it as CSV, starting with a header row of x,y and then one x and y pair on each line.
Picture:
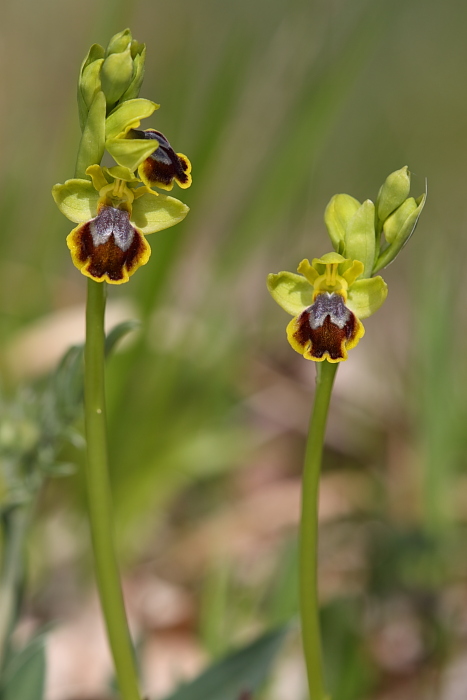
x,y
115,208
328,300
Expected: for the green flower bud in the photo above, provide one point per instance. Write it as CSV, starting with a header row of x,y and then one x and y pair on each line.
x,y
398,228
119,42
360,238
395,222
116,75
138,74
116,71
89,80
393,193
339,212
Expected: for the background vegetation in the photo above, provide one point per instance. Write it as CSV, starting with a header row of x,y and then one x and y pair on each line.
x,y
279,104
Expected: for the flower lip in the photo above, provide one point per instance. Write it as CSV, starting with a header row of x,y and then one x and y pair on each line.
x,y
326,330
108,247
164,166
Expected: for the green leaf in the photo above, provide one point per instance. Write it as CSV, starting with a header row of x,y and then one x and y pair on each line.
x,y
118,332
243,671
24,677
67,383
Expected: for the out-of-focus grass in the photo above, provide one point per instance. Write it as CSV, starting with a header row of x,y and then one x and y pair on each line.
x,y
279,104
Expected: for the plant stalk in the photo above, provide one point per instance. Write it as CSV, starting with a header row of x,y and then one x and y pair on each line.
x,y
308,545
99,496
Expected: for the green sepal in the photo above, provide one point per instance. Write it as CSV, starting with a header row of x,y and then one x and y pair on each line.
x,y
92,145
138,74
77,200
393,193
366,296
130,153
119,42
339,211
95,53
292,292
128,116
406,230
152,212
116,75
395,222
360,243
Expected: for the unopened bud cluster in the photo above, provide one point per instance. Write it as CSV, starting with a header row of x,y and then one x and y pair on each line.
x,y
117,71
374,233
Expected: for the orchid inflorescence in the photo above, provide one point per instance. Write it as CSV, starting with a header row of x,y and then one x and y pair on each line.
x,y
331,296
116,207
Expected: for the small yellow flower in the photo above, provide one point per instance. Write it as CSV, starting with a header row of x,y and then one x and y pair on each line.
x,y
327,302
163,167
114,214
147,151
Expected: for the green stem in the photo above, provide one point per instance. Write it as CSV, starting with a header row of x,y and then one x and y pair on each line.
x,y
99,496
309,603
15,522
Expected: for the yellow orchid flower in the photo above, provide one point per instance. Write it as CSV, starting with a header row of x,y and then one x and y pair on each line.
x,y
114,214
328,302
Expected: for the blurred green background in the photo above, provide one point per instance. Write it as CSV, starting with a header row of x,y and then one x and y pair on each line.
x,y
279,104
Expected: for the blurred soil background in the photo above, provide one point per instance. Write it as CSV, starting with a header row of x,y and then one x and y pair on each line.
x,y
279,104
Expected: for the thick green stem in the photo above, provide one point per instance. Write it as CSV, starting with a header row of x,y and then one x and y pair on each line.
x,y
15,522
309,603
99,496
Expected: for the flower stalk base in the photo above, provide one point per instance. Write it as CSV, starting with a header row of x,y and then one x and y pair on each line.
x,y
308,551
99,496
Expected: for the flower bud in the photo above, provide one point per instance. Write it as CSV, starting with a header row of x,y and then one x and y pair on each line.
x,y
116,71
398,228
89,82
339,211
119,42
393,193
116,75
360,238
138,53
395,222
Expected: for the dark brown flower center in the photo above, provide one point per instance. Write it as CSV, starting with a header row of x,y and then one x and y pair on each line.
x,y
326,326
